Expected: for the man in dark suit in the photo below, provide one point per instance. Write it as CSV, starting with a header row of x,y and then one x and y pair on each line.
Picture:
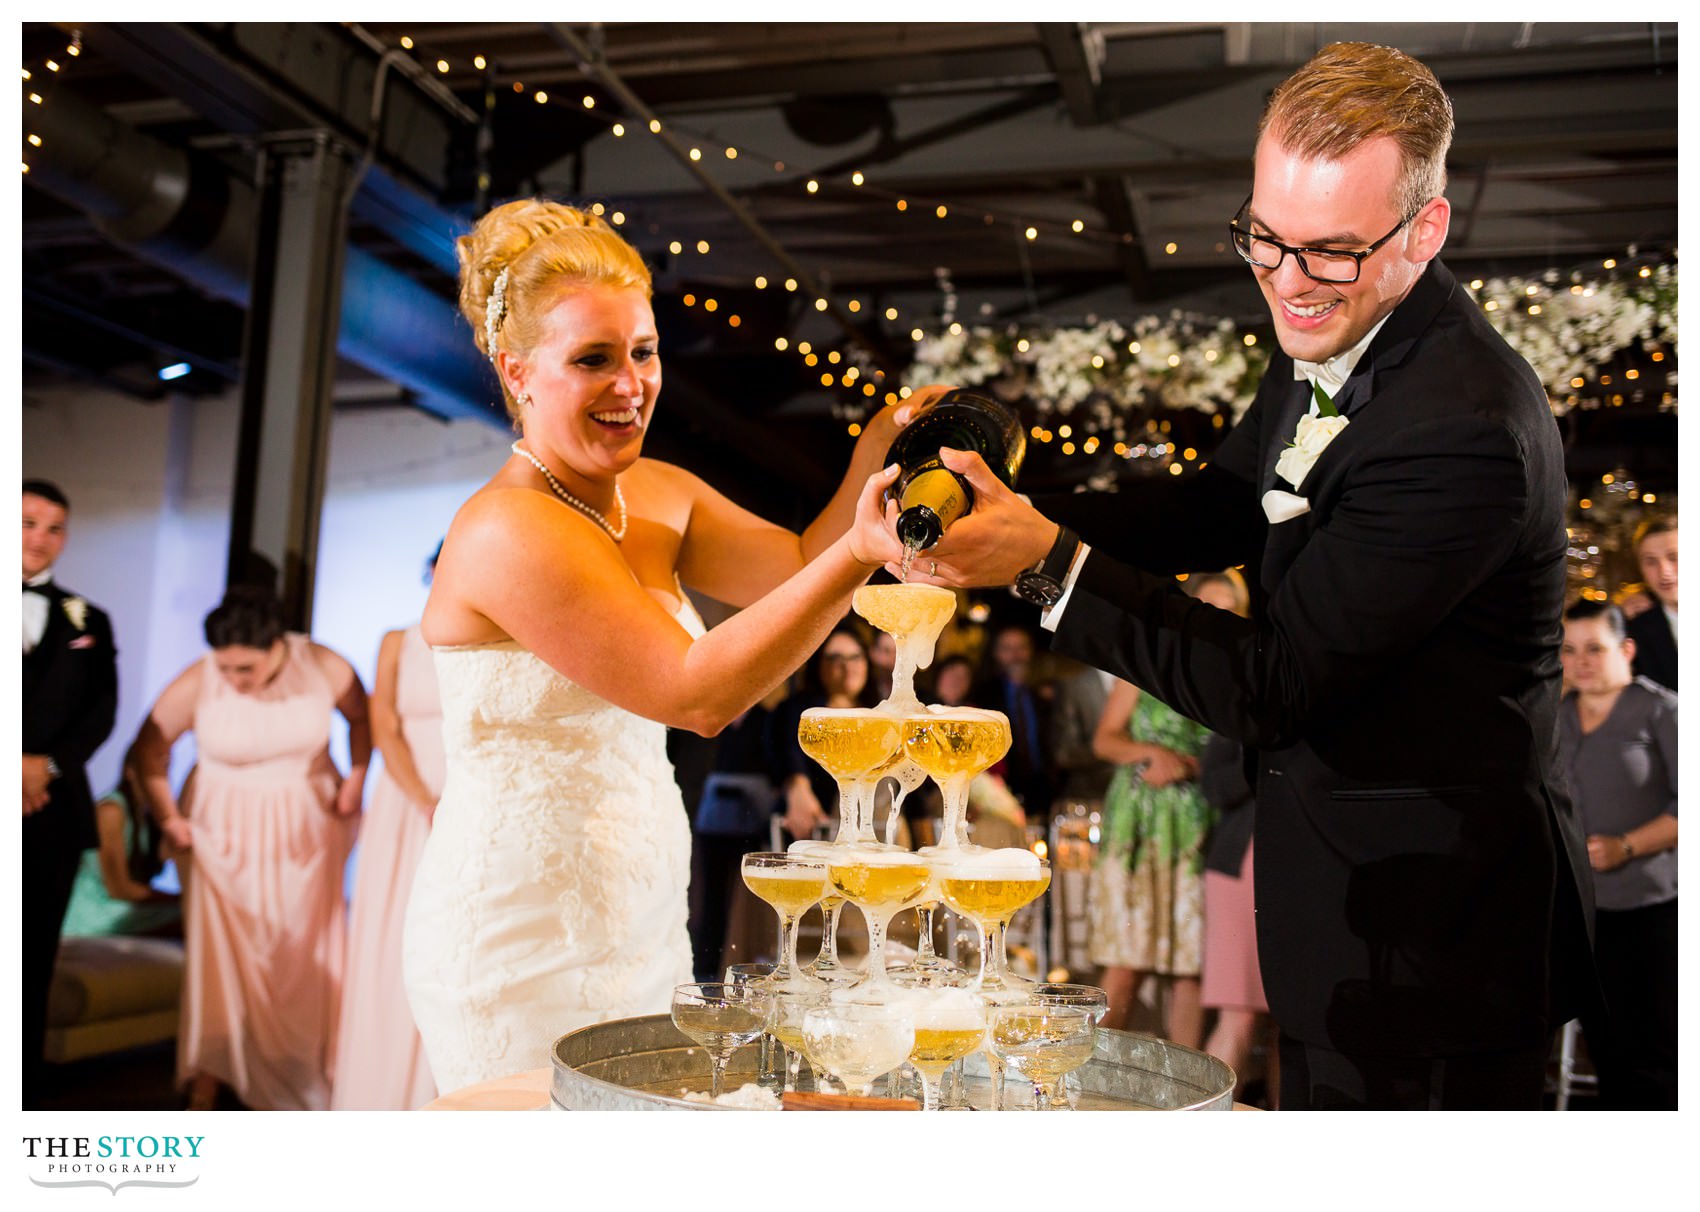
x,y
70,695
1423,903
1654,629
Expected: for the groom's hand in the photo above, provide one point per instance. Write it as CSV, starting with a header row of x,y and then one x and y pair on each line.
x,y
1001,536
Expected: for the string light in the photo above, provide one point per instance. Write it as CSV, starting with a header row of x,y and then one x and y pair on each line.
x,y
542,97
856,178
479,62
406,42
761,282
589,101
619,129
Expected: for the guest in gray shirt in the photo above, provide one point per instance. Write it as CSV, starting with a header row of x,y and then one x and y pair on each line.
x,y
1618,735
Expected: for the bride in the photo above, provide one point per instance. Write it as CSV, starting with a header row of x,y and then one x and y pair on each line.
x,y
551,893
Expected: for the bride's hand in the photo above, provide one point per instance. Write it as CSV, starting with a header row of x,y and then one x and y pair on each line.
x,y
873,536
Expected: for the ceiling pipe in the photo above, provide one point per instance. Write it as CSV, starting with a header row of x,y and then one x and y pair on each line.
x,y
185,212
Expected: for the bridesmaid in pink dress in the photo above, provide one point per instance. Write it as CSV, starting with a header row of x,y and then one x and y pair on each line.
x,y
261,839
381,1063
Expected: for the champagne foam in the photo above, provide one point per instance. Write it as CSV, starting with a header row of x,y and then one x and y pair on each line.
x,y
870,856
1009,863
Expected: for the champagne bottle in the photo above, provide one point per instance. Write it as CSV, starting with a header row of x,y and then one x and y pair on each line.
x,y
929,495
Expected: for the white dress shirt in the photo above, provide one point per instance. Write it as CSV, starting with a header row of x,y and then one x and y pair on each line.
x,y
35,607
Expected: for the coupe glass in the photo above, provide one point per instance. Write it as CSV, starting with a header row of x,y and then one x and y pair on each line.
x,y
988,887
757,976
784,1023
853,745
790,884
1042,1042
720,1017
1061,993
949,1024
953,744
879,881
913,615
857,1041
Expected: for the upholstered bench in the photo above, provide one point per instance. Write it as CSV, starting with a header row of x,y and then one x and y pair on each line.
x,y
112,993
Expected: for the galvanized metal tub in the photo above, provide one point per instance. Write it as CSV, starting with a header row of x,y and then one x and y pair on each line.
x,y
645,1064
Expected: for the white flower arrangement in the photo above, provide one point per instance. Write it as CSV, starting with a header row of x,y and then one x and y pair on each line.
x,y
77,611
1105,373
1565,329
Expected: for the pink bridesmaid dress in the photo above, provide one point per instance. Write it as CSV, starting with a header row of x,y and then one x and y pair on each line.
x,y
263,917
381,1063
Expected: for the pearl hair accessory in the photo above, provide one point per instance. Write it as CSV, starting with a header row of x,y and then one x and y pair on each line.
x,y
495,311
593,514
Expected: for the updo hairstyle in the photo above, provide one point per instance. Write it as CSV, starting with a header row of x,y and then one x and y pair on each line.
x,y
547,248
248,617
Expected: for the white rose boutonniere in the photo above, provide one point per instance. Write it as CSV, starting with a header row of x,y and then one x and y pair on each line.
x,y
77,611
1310,439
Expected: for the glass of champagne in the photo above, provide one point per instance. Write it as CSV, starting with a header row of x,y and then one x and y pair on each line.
x,y
880,882
852,744
987,887
721,1018
949,1024
784,1022
1042,1042
858,1041
790,884
914,615
1062,993
953,744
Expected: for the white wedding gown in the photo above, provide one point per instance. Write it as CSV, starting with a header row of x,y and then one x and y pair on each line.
x,y
552,891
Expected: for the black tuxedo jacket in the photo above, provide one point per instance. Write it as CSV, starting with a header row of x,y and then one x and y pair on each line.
x,y
1422,884
70,697
1655,646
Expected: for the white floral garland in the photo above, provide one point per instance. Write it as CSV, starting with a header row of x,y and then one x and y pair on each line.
x,y
1101,374
1106,372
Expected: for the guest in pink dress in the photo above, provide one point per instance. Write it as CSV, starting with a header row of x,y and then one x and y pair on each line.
x,y
261,838
381,1063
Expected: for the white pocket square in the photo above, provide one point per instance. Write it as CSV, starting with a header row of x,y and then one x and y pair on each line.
x,y
1284,506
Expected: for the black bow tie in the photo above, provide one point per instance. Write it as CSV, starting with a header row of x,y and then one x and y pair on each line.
x,y
41,589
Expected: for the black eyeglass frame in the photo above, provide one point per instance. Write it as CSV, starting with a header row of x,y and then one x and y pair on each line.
x,y
1358,256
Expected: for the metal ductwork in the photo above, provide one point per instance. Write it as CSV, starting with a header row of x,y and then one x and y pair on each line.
x,y
184,211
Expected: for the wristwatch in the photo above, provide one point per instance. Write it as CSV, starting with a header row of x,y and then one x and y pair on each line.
x,y
1042,583
1628,846
52,768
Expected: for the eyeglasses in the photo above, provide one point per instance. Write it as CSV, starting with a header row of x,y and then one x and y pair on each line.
x,y
1335,265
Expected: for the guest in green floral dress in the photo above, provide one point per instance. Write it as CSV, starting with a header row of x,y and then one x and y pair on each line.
x,y
1146,900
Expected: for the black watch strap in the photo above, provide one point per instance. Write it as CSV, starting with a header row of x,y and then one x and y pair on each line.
x,y
1055,564
1043,585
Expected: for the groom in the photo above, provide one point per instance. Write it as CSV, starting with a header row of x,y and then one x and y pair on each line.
x,y
1398,489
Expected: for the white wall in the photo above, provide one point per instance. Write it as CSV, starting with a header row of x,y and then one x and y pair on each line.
x,y
150,488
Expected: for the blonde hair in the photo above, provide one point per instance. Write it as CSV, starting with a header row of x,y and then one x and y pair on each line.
x,y
1352,92
545,249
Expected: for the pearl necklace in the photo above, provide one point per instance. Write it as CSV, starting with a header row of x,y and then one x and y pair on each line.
x,y
593,514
